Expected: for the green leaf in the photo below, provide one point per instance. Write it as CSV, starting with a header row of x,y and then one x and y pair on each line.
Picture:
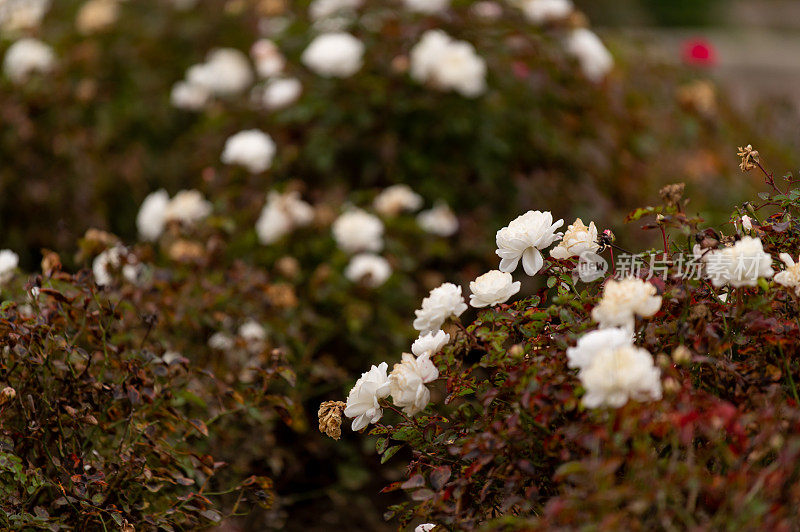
x,y
391,451
381,445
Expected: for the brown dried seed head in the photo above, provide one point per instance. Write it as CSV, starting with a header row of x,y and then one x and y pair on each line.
x,y
749,158
330,418
672,194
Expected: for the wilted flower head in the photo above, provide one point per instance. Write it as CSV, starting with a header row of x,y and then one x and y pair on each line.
x,y
279,93
357,230
282,214
407,382
790,277
593,342
396,199
593,57
428,7
8,263
330,418
152,216
97,15
524,238
749,158
226,72
492,288
188,207
439,220
625,299
443,302
267,57
739,265
105,263
617,374
371,270
577,239
448,64
334,55
543,11
26,57
430,343
22,14
189,96
362,401
252,149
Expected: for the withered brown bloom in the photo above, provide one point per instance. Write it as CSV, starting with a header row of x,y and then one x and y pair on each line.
x,y
330,418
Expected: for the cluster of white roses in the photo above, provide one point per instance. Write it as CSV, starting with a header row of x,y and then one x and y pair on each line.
x,y
187,207
448,64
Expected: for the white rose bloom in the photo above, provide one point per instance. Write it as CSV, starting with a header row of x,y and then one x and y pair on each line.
x,y
790,277
253,334
430,343
357,230
188,207
443,302
282,214
8,263
189,96
428,7
323,9
616,375
362,401
543,11
226,72
448,64
152,215
593,57
268,58
439,220
280,93
492,288
26,57
22,14
372,270
591,343
747,223
105,263
221,342
739,265
252,149
524,238
407,382
624,300
577,239
396,199
334,55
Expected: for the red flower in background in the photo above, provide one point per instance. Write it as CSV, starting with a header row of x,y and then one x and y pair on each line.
x,y
699,52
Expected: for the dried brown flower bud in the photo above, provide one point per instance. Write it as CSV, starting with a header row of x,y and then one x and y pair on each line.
x,y
186,251
51,262
288,266
7,395
330,418
282,295
672,194
749,158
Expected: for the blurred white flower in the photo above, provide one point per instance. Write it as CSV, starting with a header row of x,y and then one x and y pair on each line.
x,y
8,264
252,149
22,14
281,214
593,342
281,92
425,527
189,96
790,277
428,7
430,343
443,302
593,57
407,382
97,15
372,270
26,57
268,58
334,55
188,207
739,265
577,239
105,263
448,64
226,72
323,9
396,199
152,215
221,342
253,334
524,238
439,220
543,11
747,223
617,374
492,288
487,10
362,401
357,230
625,299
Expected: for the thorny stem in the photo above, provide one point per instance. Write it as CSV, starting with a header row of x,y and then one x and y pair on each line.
x,y
770,180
